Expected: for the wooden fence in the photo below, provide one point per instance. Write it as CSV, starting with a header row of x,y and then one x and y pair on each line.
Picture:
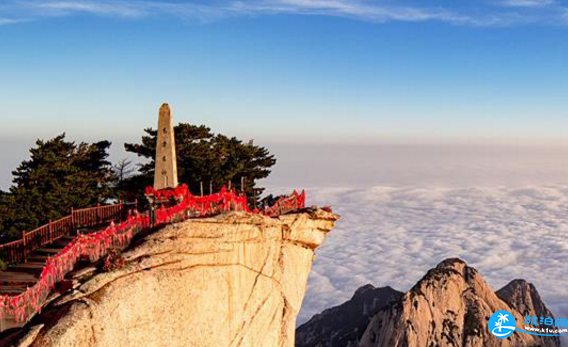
x,y
18,251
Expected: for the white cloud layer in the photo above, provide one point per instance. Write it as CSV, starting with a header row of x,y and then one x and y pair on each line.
x,y
16,11
392,236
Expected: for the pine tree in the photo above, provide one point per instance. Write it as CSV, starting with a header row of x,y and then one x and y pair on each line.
x,y
205,157
58,176
6,212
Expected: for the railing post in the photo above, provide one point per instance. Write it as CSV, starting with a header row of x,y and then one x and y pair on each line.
x,y
72,220
25,246
120,210
98,214
210,187
201,186
50,231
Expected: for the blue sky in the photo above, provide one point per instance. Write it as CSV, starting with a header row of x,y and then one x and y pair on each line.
x,y
337,71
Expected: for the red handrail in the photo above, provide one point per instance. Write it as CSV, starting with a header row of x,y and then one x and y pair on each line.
x,y
18,251
287,204
96,245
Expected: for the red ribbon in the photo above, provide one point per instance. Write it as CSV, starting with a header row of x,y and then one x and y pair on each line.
x,y
96,245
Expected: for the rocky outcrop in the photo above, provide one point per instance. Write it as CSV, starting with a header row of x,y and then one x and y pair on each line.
x,y
343,325
451,306
234,280
524,297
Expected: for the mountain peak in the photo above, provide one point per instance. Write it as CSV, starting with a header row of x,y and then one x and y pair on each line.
x,y
450,306
364,289
343,325
524,297
452,262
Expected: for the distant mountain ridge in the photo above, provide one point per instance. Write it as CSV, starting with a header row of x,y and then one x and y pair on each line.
x,y
344,325
449,306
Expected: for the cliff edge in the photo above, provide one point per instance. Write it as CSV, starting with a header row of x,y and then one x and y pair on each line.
x,y
233,280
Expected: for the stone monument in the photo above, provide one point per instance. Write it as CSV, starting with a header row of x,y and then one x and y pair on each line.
x,y
165,175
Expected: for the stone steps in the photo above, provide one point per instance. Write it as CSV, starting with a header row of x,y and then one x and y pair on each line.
x,y
18,277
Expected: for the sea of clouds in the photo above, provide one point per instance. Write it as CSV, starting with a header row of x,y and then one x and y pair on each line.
x,y
393,235
405,208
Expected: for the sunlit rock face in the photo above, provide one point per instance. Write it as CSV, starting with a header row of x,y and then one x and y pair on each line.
x,y
451,306
234,280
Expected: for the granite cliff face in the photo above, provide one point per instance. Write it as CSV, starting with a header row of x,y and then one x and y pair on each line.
x,y
343,325
451,306
234,280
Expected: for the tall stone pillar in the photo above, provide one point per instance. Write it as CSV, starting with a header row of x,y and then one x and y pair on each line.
x,y
165,175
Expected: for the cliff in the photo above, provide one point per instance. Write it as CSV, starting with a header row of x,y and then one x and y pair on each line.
x,y
451,306
343,325
234,280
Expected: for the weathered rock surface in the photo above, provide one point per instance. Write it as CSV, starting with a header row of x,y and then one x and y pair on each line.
x,y
234,280
524,297
451,306
343,325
